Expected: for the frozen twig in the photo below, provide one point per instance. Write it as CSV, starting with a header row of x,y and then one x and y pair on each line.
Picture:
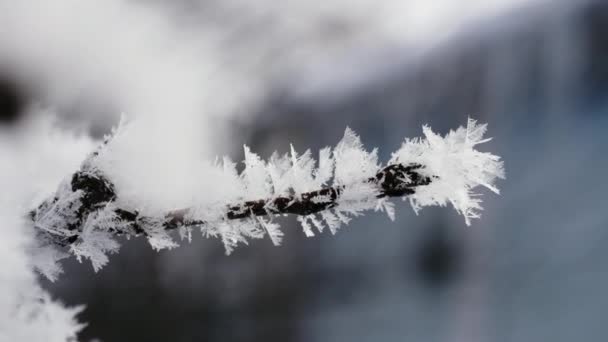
x,y
394,180
87,211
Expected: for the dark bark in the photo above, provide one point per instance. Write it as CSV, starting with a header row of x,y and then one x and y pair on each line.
x,y
395,180
391,181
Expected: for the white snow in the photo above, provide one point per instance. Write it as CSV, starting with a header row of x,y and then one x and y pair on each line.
x,y
34,158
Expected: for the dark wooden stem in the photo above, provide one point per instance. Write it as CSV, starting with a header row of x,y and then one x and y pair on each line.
x,y
395,180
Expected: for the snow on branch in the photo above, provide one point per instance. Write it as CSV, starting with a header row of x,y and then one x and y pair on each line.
x,y
88,211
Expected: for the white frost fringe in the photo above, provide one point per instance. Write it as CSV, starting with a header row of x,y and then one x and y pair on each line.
x,y
452,163
456,167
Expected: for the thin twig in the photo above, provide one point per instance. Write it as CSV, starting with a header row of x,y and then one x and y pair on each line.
x,y
395,180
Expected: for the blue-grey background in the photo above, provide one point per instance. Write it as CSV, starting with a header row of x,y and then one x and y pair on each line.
x,y
534,268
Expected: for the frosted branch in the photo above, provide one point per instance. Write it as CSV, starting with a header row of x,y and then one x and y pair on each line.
x,y
88,211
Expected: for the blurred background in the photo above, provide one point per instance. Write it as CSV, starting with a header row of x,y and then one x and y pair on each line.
x,y
531,269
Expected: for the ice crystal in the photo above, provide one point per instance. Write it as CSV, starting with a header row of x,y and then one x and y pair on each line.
x,y
456,167
453,165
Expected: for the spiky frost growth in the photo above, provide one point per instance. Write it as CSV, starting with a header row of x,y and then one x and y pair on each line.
x,y
349,180
456,166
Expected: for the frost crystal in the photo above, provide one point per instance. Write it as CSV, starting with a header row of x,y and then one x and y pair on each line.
x,y
350,175
455,165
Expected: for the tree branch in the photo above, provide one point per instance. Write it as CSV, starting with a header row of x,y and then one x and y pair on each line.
x,y
395,180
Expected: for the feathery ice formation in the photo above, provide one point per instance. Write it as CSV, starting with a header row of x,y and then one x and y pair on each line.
x,y
88,210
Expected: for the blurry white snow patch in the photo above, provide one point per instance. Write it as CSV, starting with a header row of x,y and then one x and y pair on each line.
x,y
35,157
